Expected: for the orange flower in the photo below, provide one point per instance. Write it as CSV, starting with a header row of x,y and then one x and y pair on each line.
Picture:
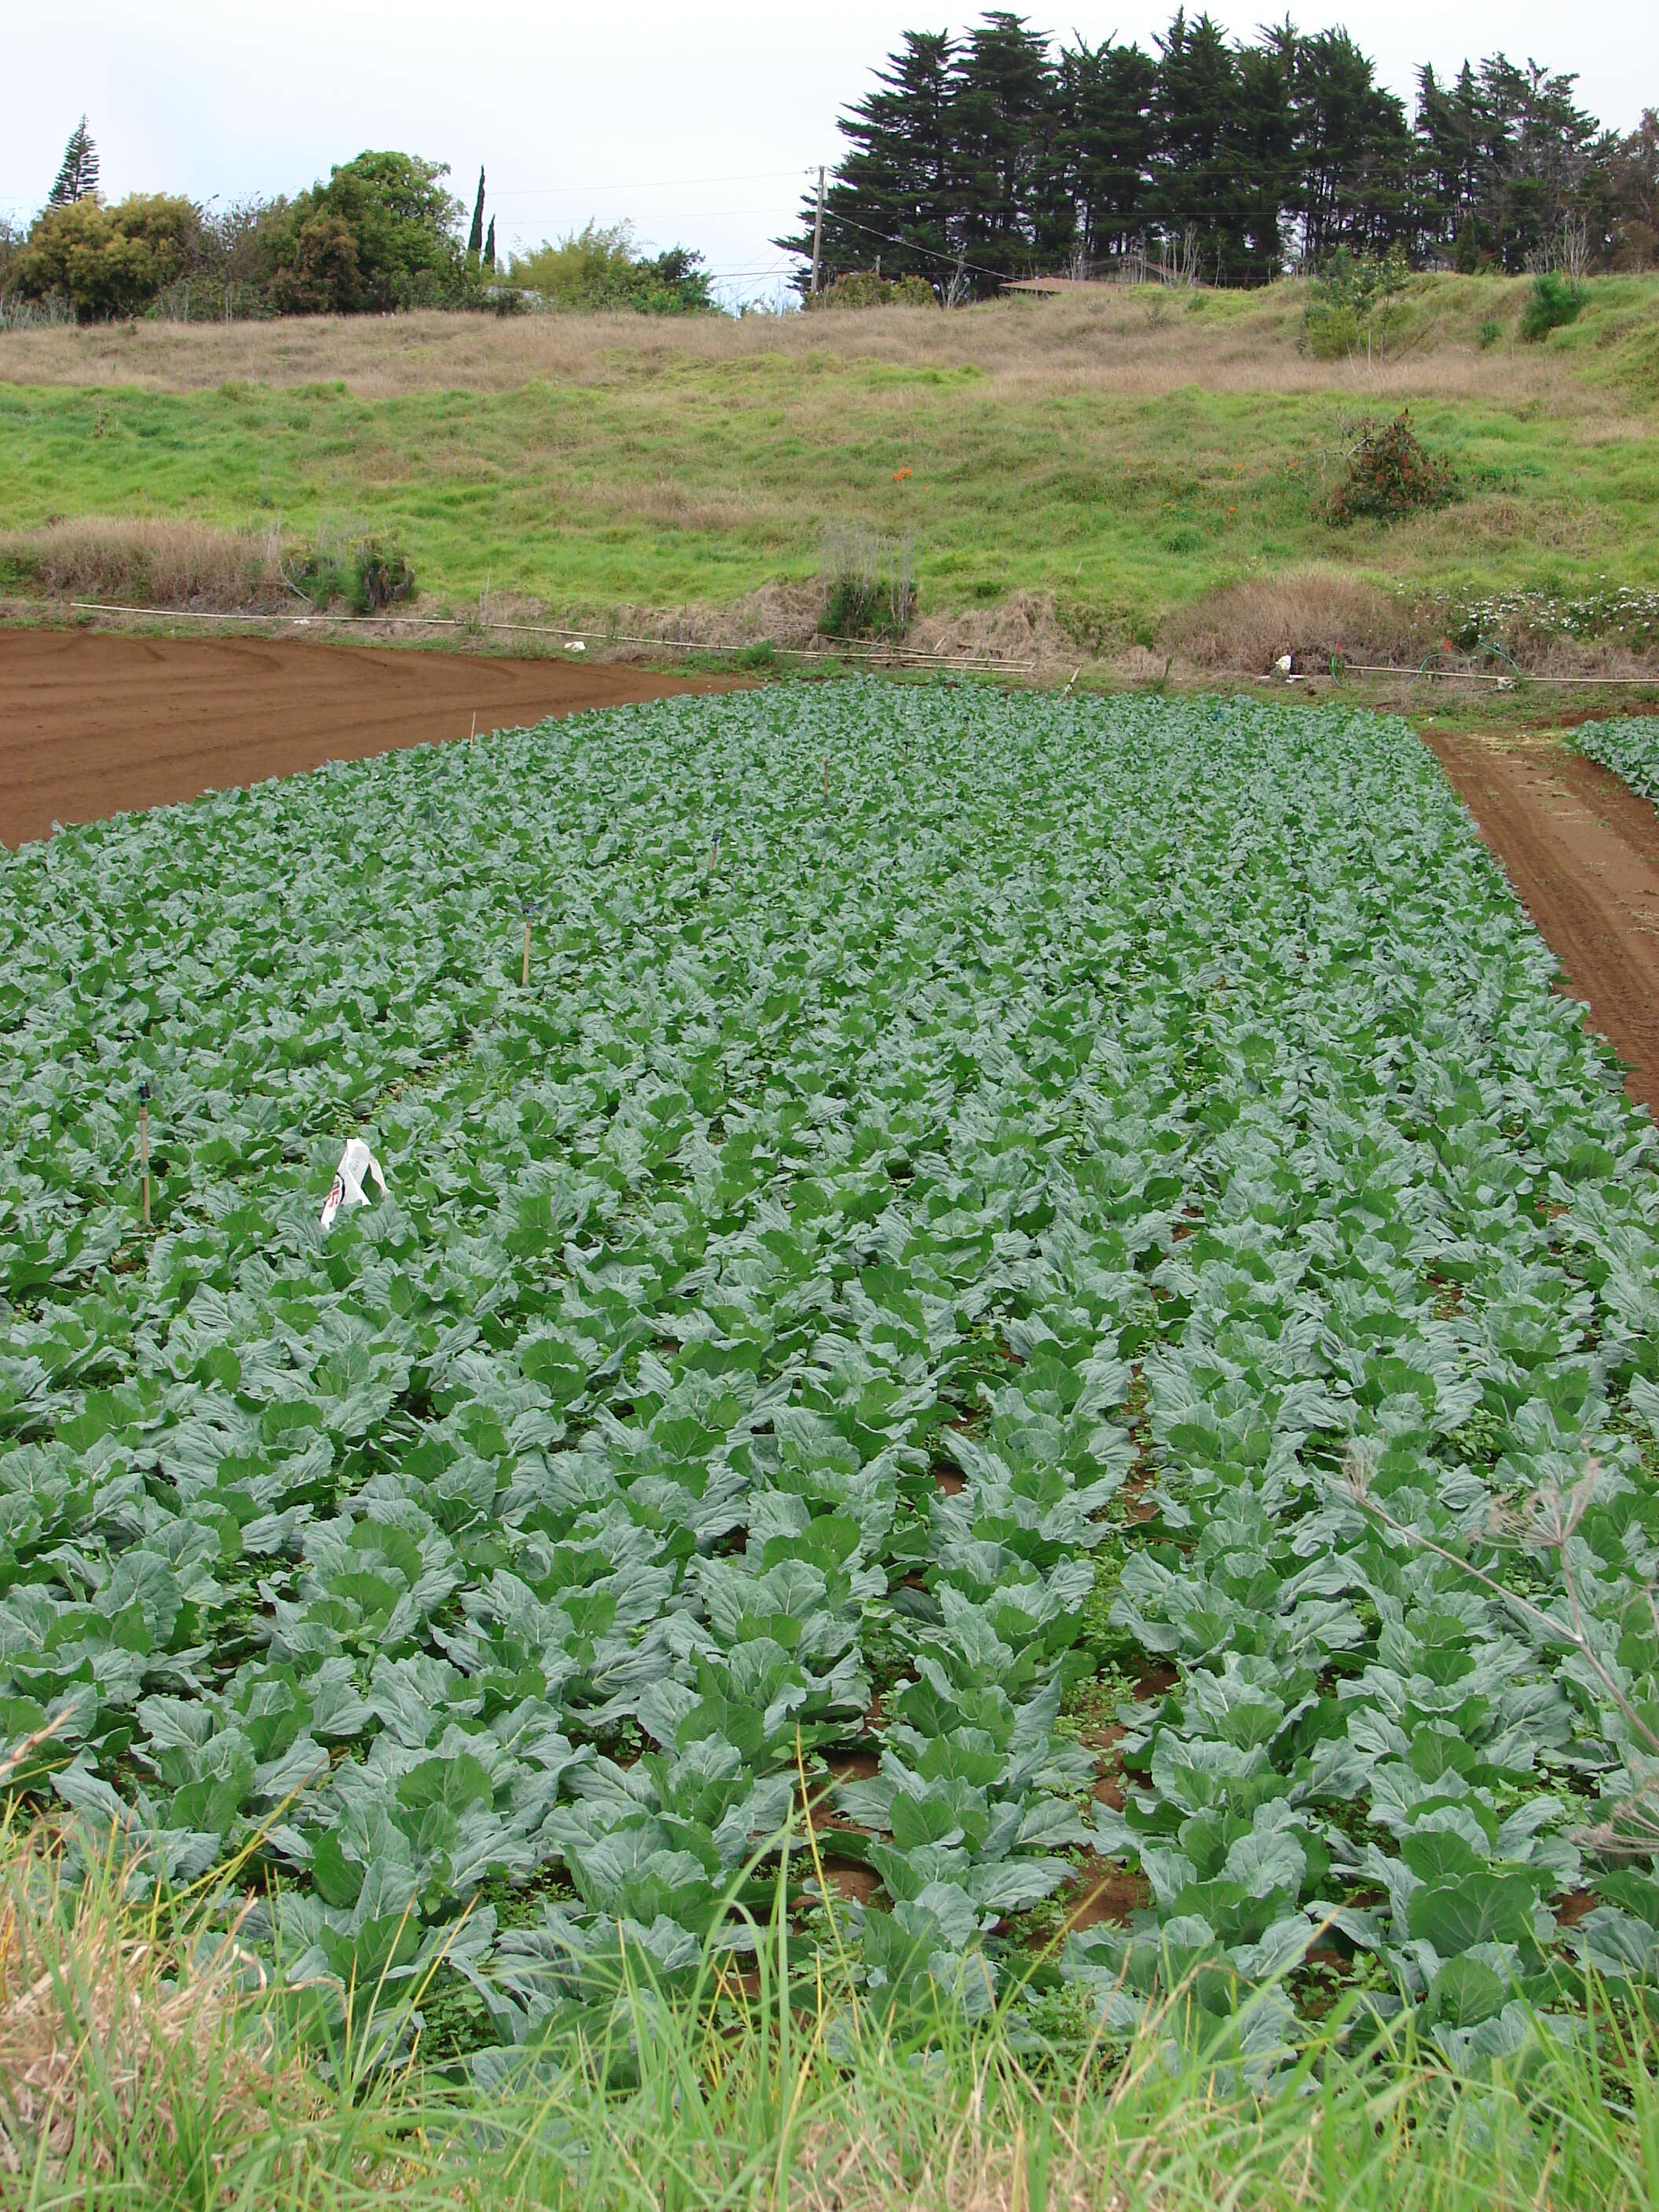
x,y
899,475
1232,510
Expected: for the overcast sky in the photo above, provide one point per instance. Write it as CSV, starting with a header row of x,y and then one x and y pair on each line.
x,y
699,123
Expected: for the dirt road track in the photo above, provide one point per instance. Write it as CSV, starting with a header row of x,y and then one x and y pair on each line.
x,y
91,724
1582,852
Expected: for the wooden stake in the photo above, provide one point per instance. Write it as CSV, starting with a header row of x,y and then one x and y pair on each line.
x,y
524,979
143,1145
826,778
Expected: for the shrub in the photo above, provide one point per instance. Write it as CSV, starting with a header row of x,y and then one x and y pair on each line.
x,y
368,575
594,269
1347,309
318,273
379,236
1552,302
1488,333
107,260
869,586
1390,473
868,287
378,576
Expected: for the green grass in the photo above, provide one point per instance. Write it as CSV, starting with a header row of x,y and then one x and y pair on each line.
x,y
657,472
181,2084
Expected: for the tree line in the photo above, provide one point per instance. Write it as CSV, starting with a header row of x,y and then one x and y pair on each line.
x,y
384,233
992,155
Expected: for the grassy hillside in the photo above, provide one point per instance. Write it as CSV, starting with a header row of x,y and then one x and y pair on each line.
x,y
1133,455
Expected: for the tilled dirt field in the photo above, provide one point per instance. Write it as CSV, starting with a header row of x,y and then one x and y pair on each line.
x,y
91,724
1582,852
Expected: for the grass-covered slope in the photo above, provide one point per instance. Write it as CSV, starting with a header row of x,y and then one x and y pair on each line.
x,y
973,1190
1132,454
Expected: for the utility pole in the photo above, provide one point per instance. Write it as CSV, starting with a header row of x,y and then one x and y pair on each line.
x,y
817,235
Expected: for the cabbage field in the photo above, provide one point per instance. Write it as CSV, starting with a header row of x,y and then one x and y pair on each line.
x,y
994,1222
1629,747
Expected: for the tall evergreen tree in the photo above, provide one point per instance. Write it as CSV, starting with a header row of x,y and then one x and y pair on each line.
x,y
1261,138
77,173
475,238
1009,213
1448,163
995,154
1198,94
1104,142
895,194
1353,150
489,247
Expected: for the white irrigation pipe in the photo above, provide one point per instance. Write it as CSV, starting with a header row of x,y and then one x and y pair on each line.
x,y
902,656
906,656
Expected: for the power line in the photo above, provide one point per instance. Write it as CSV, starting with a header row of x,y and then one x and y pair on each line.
x,y
1145,218
643,184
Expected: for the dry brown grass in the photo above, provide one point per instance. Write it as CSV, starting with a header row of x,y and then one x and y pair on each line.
x,y
149,563
1311,615
111,2033
1136,342
1318,614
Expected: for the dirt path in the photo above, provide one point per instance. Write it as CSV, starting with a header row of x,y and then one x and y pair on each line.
x,y
1582,852
92,724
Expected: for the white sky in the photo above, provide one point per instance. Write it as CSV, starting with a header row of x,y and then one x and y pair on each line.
x,y
697,123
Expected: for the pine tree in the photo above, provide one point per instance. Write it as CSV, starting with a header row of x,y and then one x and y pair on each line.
x,y
1011,216
1198,94
1447,166
1105,137
1261,140
1353,150
77,176
476,235
489,247
895,195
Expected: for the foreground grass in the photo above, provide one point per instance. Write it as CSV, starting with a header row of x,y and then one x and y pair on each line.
x,y
145,2062
1129,456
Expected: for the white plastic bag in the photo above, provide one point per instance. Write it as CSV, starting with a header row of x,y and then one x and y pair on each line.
x,y
355,1161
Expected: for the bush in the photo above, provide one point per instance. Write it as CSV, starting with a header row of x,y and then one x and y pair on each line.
x,y
1390,473
1347,309
868,287
107,260
869,586
593,269
1488,333
368,576
379,236
1552,302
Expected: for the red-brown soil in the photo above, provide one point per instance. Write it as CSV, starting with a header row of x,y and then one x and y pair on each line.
x,y
1582,852
92,723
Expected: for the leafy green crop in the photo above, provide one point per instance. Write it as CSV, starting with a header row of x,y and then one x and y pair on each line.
x,y
1629,747
881,1198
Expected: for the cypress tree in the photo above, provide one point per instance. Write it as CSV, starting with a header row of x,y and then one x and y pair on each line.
x,y
1004,115
1198,95
896,194
1106,141
489,247
1353,150
77,173
476,235
991,151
